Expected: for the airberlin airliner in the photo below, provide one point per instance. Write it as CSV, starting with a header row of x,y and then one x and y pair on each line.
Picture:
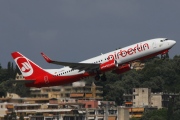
x,y
117,61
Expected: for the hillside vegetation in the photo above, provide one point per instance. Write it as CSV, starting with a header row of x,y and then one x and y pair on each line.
x,y
161,75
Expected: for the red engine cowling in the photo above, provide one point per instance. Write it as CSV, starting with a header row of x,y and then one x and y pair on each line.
x,y
122,69
109,65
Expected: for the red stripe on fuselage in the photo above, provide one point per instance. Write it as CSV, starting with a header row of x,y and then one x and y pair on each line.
x,y
57,80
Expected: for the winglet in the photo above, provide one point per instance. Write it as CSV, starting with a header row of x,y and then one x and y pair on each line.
x,y
46,58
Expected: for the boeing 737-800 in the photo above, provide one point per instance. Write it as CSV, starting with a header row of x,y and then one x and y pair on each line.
x,y
117,61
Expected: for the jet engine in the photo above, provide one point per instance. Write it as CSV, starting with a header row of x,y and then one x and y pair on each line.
x,y
109,65
122,69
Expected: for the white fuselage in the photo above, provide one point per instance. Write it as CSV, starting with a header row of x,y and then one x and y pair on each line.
x,y
123,55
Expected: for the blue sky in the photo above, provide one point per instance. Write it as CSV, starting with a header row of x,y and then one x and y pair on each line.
x,y
74,30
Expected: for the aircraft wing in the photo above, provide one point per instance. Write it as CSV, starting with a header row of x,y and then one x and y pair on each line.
x,y
79,66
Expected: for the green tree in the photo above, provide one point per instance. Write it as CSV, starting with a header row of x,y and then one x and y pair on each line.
x,y
176,115
2,93
21,117
0,66
9,69
11,116
160,114
170,108
3,74
133,118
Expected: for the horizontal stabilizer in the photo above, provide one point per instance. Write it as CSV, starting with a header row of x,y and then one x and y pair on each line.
x,y
23,81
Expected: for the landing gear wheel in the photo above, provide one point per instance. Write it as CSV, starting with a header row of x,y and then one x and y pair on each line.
x,y
103,77
97,77
163,56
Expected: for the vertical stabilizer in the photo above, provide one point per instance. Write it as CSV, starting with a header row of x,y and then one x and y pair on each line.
x,y
29,69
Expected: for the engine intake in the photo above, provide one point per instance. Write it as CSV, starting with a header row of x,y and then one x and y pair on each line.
x,y
109,65
122,69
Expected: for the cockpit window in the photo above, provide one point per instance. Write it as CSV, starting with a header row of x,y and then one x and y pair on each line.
x,y
164,40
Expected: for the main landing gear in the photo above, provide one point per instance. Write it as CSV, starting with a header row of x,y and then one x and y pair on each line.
x,y
102,77
163,56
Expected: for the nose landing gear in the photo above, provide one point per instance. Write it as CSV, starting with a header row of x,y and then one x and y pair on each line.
x,y
165,54
102,77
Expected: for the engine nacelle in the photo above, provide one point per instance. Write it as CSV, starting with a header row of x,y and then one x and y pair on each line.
x,y
109,65
122,69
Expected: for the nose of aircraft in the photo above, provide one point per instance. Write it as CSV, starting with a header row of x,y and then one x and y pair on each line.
x,y
172,42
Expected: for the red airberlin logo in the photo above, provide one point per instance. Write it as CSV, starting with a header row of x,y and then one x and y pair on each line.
x,y
130,51
24,66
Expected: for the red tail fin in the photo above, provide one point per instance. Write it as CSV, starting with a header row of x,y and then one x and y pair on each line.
x,y
29,69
